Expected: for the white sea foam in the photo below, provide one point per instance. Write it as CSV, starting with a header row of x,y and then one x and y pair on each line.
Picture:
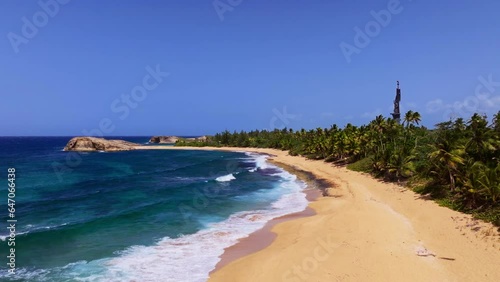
x,y
23,274
225,178
4,237
192,257
31,229
259,160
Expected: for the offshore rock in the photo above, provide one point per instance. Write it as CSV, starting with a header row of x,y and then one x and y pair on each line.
x,y
89,144
164,139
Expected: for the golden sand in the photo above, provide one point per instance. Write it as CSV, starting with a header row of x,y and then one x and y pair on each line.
x,y
368,231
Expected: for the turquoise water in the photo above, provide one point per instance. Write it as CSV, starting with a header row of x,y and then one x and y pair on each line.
x,y
159,215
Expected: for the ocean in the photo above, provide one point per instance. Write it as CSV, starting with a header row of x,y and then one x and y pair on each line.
x,y
151,215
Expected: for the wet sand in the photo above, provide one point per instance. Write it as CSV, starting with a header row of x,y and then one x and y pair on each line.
x,y
365,230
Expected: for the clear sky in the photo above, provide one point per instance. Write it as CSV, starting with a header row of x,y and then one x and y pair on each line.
x,y
240,64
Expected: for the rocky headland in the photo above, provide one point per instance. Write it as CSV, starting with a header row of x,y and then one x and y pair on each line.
x,y
173,139
164,139
89,144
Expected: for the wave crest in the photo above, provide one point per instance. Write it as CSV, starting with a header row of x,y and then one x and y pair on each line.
x,y
225,178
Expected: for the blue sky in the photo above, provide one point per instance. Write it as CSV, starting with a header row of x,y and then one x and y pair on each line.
x,y
65,67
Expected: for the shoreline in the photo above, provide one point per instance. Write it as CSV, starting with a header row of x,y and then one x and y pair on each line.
x,y
367,231
263,237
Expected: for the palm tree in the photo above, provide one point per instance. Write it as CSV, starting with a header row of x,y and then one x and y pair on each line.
x,y
378,123
417,118
485,181
496,122
481,143
412,117
401,165
459,125
408,118
446,160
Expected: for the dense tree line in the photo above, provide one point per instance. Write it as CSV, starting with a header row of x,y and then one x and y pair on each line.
x,y
457,162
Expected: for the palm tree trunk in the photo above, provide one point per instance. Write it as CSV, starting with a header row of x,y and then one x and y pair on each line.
x,y
452,181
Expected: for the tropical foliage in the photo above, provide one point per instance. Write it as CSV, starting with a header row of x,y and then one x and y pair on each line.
x,y
457,160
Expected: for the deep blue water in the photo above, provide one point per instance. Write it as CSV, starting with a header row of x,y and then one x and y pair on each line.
x,y
146,215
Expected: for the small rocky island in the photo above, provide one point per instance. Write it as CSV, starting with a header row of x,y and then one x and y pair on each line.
x,y
94,144
173,139
164,139
90,144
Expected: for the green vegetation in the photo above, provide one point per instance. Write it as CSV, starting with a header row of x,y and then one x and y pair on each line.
x,y
363,165
457,163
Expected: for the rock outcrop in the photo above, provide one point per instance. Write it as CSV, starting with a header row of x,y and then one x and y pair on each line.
x,y
201,138
89,144
164,139
173,139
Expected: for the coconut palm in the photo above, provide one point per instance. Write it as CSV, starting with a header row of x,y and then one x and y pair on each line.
x,y
496,122
461,157
485,181
408,118
416,118
482,142
446,160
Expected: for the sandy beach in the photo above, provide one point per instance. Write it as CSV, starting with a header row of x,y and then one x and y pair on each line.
x,y
365,230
